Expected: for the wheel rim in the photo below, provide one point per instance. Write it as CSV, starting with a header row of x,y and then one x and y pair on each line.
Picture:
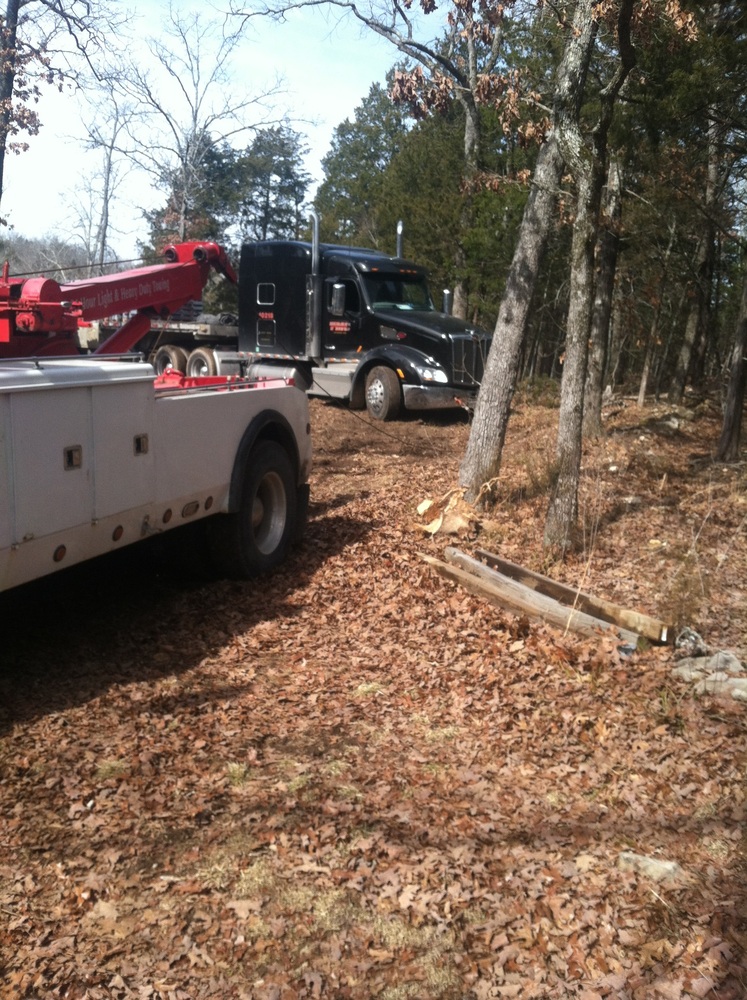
x,y
375,396
200,368
269,513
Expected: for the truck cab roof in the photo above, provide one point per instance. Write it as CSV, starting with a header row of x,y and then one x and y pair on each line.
x,y
361,258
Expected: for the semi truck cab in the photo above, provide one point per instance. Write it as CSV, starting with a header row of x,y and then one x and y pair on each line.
x,y
362,323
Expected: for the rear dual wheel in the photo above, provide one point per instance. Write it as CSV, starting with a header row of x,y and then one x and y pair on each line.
x,y
201,363
256,538
168,357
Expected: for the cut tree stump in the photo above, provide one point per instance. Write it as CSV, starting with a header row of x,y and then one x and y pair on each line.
x,y
560,608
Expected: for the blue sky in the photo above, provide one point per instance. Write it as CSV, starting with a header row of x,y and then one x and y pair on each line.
x,y
328,66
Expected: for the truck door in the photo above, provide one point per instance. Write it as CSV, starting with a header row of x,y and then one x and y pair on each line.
x,y
342,333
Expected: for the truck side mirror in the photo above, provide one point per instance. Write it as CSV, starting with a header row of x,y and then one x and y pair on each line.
x,y
448,301
337,305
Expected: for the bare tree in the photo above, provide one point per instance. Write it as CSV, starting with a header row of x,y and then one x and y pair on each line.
x,y
107,120
186,105
44,41
728,445
586,159
607,250
482,460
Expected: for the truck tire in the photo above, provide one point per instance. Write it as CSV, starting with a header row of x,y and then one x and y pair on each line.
x,y
255,540
383,396
201,363
168,357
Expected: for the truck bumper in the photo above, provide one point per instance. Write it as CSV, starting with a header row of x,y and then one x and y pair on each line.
x,y
437,397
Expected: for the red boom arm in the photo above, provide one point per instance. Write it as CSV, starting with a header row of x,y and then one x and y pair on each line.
x,y
40,316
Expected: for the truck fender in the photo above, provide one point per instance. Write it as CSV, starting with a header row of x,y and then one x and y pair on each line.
x,y
396,356
270,425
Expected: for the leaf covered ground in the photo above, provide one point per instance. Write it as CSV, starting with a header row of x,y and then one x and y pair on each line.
x,y
354,780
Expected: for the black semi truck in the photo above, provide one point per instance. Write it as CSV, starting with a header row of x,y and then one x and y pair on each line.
x,y
349,323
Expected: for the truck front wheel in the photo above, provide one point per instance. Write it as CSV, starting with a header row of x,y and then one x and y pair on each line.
x,y
168,357
256,538
383,396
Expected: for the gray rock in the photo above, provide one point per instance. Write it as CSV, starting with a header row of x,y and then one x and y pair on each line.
x,y
688,670
724,661
722,683
715,683
652,868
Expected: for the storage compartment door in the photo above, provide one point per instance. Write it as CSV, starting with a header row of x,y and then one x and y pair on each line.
x,y
6,511
52,460
123,446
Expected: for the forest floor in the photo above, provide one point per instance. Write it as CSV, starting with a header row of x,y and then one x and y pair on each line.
x,y
353,779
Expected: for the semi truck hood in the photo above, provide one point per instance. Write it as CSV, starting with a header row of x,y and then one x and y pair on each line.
x,y
435,325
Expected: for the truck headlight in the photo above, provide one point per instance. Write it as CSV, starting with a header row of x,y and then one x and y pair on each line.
x,y
432,375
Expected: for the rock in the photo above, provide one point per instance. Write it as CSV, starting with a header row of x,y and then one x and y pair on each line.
x,y
715,683
652,868
723,684
724,661
691,669
720,673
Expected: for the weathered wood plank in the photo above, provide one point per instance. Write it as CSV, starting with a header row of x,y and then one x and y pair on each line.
x,y
507,593
644,625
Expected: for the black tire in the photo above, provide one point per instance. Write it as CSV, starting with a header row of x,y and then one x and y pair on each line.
x,y
256,538
201,363
383,395
168,357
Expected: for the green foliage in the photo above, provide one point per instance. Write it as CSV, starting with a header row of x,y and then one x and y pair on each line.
x,y
354,188
203,209
273,185
380,171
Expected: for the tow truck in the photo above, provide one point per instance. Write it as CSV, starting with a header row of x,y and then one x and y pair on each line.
x,y
100,451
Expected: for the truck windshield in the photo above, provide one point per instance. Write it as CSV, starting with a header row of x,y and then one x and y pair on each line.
x,y
398,291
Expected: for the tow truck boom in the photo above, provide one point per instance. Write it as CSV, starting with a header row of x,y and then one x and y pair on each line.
x,y
39,316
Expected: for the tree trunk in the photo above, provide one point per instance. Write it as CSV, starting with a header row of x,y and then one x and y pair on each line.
x,y
472,137
563,509
648,359
609,242
695,319
728,445
653,334
587,163
700,303
482,459
7,79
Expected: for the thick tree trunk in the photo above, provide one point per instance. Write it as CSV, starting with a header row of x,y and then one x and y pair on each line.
x,y
609,241
728,445
563,509
482,459
586,161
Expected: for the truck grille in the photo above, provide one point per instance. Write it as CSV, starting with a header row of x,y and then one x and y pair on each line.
x,y
470,351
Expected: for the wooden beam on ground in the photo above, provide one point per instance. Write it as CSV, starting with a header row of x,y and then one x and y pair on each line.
x,y
507,593
650,628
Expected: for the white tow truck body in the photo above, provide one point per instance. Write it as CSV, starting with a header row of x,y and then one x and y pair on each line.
x,y
96,454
